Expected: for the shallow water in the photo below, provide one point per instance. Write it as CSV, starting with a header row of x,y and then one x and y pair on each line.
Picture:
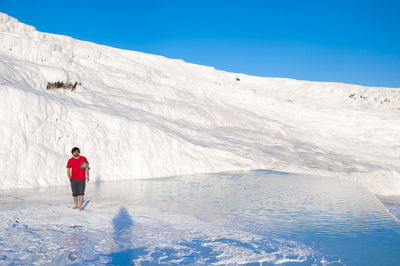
x,y
249,217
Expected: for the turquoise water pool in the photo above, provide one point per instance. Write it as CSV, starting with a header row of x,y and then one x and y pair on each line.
x,y
226,218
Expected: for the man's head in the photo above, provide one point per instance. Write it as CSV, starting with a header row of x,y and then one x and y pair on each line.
x,y
75,151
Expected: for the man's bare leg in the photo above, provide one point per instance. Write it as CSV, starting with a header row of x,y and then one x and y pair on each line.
x,y
80,202
76,203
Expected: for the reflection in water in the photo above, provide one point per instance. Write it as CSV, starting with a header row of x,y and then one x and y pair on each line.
x,y
225,218
75,243
340,216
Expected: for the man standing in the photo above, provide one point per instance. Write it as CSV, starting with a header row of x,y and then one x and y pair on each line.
x,y
77,169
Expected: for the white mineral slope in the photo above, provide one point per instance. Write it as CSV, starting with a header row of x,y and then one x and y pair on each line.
x,y
137,115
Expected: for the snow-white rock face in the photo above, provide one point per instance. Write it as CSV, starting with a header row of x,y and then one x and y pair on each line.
x,y
137,115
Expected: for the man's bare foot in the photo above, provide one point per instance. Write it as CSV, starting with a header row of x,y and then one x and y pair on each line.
x,y
80,208
76,207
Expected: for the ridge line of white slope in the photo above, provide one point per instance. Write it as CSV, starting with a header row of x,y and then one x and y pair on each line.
x,y
25,42
137,115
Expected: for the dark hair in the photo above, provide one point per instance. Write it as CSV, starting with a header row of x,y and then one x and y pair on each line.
x,y
74,149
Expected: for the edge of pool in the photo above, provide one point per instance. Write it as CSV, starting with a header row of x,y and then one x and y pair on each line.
x,y
392,204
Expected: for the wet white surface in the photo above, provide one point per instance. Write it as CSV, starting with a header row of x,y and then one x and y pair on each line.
x,y
255,217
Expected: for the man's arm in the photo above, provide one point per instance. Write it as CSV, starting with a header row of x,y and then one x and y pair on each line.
x,y
69,173
87,173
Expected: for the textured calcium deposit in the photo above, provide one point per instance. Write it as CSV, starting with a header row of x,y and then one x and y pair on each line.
x,y
137,115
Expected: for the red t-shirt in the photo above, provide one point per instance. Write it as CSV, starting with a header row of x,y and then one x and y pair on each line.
x,y
77,173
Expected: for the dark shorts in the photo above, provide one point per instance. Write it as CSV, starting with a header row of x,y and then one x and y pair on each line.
x,y
78,187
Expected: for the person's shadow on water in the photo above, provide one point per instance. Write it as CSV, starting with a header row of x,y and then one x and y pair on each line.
x,y
122,224
85,203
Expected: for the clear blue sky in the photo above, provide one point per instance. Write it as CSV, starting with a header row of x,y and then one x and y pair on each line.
x,y
322,40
